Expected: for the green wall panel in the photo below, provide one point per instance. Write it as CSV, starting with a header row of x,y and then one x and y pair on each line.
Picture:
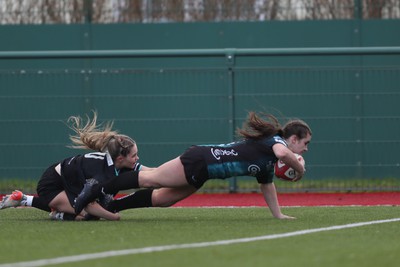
x,y
168,103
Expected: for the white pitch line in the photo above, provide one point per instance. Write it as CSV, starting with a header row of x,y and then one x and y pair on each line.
x,y
106,254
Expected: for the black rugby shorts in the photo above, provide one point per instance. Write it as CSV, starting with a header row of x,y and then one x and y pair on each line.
x,y
195,166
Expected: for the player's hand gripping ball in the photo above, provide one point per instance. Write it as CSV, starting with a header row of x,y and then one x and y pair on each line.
x,y
285,172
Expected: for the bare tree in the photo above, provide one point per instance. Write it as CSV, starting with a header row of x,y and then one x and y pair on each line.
x,y
148,11
376,9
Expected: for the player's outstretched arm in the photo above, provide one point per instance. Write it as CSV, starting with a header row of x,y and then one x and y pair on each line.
x,y
271,198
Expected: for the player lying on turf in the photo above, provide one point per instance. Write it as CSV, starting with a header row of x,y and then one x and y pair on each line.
x,y
264,142
62,181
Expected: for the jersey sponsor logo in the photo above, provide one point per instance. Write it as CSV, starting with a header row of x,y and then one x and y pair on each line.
x,y
217,153
253,169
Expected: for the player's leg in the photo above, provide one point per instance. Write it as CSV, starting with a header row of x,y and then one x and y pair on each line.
x,y
15,199
169,174
61,203
63,210
48,188
163,197
166,197
138,199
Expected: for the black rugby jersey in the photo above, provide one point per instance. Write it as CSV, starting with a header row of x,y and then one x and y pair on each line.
x,y
242,158
100,166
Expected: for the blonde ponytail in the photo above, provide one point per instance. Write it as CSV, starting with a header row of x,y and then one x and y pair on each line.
x,y
90,135
99,137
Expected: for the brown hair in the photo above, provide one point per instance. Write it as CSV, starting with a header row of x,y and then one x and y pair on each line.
x,y
296,127
266,125
100,138
256,127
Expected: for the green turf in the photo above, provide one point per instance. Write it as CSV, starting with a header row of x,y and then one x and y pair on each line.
x,y
27,234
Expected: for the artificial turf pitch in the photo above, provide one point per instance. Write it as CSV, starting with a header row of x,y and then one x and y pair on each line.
x,y
148,238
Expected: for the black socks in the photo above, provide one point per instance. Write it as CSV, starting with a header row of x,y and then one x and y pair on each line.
x,y
41,204
139,199
124,181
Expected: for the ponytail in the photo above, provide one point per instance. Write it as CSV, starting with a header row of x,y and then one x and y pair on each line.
x,y
100,138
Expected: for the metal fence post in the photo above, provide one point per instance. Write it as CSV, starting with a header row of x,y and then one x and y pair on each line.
x,y
230,61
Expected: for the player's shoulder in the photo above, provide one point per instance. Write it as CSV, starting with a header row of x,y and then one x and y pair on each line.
x,y
276,139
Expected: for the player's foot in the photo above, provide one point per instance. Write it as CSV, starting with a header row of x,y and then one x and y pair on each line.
x,y
86,196
13,200
56,215
61,216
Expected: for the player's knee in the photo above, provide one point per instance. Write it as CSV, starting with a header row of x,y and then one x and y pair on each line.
x,y
159,200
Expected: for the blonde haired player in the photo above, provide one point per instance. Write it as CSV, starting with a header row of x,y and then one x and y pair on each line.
x,y
113,153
